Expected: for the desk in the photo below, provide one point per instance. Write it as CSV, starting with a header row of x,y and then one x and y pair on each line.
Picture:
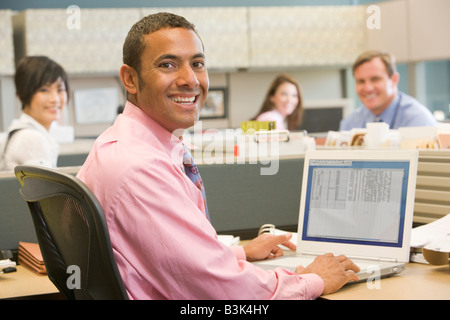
x,y
25,284
417,282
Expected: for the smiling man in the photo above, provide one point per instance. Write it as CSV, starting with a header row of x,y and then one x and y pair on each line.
x,y
171,82
140,170
376,81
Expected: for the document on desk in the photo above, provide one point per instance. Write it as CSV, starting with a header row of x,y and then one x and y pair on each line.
x,y
229,240
428,233
30,255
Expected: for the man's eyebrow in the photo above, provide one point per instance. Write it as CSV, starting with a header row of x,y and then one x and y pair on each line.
x,y
175,57
168,56
199,55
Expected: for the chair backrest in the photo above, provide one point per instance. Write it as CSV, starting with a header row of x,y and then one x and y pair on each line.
x,y
72,232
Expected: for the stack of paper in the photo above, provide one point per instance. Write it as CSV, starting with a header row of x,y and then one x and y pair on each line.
x,y
434,240
6,263
30,255
431,232
229,240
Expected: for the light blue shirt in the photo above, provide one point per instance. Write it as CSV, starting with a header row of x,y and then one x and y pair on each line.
x,y
403,111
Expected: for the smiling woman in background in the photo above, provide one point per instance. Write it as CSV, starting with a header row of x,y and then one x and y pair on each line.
x,y
283,103
41,86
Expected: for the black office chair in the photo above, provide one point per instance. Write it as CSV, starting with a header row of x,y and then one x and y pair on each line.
x,y
71,231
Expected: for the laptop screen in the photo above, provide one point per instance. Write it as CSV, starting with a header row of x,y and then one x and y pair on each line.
x,y
356,201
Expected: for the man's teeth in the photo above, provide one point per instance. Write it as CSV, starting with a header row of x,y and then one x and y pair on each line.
x,y
183,100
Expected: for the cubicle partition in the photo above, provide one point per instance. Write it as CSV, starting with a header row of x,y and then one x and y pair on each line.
x,y
16,223
241,198
433,186
15,219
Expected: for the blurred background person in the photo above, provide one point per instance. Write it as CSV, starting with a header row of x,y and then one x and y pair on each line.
x,y
42,88
282,104
376,79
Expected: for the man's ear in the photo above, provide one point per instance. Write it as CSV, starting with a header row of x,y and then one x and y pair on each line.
x,y
129,79
395,78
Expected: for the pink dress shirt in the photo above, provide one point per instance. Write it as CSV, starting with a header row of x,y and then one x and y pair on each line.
x,y
163,243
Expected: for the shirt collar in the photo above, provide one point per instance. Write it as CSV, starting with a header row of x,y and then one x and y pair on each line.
x,y
169,142
388,115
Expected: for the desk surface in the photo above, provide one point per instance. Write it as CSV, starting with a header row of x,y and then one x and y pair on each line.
x,y
25,283
417,282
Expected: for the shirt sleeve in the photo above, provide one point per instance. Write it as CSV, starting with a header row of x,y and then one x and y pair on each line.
x,y
238,252
166,248
413,114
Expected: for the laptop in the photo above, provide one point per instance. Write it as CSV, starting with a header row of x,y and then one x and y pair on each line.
x,y
358,203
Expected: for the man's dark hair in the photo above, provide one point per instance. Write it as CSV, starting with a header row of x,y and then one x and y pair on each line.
x,y
134,43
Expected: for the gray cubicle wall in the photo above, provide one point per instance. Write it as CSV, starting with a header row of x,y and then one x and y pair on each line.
x,y
240,199
15,219
16,223
70,160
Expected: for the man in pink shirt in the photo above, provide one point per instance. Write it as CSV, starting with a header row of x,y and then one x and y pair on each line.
x,y
163,241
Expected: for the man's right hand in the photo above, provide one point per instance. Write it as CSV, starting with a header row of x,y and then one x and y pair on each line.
x,y
335,271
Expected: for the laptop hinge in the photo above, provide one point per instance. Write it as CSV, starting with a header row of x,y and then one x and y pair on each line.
x,y
310,253
388,260
379,259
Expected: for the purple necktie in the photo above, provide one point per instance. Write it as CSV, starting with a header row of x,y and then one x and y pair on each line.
x,y
192,172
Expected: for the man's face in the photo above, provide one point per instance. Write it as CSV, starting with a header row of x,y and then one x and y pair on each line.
x,y
375,88
173,80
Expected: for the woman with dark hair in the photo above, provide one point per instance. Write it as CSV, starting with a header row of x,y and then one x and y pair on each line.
x,y
41,86
282,104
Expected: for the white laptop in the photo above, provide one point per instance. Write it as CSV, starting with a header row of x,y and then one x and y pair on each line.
x,y
358,203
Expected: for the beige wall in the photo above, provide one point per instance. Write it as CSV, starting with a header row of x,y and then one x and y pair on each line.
x,y
414,30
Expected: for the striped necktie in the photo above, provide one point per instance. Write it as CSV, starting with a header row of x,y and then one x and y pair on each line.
x,y
192,172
